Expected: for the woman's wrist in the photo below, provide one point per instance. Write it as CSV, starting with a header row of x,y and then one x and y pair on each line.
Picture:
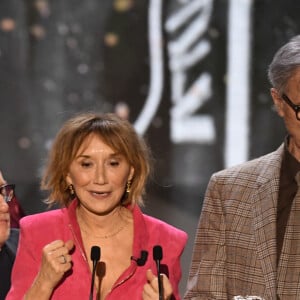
x,y
40,290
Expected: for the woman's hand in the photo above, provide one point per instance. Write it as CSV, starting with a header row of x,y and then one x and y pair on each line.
x,y
150,291
56,261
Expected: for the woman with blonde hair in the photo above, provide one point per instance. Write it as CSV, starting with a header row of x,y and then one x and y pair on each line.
x,y
97,171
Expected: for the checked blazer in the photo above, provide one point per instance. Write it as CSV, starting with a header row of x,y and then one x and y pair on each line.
x,y
235,245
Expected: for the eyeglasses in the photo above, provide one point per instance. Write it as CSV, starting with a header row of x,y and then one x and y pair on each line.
x,y
296,108
7,191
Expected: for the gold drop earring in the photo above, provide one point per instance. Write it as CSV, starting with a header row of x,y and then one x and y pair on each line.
x,y
71,190
128,186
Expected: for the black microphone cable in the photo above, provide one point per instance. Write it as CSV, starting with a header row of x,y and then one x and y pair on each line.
x,y
157,256
95,257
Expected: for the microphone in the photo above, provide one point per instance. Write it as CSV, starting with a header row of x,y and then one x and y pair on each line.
x,y
157,256
95,257
142,259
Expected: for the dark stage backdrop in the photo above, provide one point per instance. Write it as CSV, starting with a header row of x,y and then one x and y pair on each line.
x,y
190,75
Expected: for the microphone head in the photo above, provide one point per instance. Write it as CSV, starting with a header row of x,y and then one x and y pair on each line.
x,y
157,252
95,253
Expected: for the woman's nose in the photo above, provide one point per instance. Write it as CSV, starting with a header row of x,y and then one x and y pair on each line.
x,y
100,175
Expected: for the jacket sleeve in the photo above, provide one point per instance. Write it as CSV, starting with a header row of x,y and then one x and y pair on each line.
x,y
27,262
175,274
207,275
173,241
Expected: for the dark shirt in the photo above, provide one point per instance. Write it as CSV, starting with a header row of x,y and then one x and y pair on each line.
x,y
7,257
287,191
6,263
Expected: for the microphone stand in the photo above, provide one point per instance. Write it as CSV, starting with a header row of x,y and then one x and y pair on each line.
x,y
95,257
157,256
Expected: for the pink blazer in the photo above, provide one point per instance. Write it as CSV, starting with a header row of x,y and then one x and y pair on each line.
x,y
40,229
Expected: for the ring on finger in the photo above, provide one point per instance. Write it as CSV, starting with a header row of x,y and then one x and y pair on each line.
x,y
63,259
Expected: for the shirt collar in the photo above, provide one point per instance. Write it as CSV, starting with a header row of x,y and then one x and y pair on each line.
x,y
290,165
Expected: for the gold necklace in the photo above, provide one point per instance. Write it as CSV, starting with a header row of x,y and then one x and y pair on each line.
x,y
106,236
112,234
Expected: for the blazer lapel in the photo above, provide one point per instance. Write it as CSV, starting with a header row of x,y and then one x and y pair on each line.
x,y
265,216
265,235
12,243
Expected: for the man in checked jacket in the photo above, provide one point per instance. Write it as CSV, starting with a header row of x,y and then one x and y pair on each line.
x,y
247,243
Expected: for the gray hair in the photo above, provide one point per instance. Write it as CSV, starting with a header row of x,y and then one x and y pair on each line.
x,y
285,61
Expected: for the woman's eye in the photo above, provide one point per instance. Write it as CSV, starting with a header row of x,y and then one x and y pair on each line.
x,y
114,163
86,164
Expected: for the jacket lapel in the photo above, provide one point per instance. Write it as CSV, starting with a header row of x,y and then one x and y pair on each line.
x,y
265,215
12,242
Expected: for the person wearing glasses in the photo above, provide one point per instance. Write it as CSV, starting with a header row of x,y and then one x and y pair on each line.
x,y
16,211
247,244
8,238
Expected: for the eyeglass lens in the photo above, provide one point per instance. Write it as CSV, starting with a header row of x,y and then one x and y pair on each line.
x,y
8,192
297,112
295,107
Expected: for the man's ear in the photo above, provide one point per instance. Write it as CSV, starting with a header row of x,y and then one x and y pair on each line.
x,y
277,100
